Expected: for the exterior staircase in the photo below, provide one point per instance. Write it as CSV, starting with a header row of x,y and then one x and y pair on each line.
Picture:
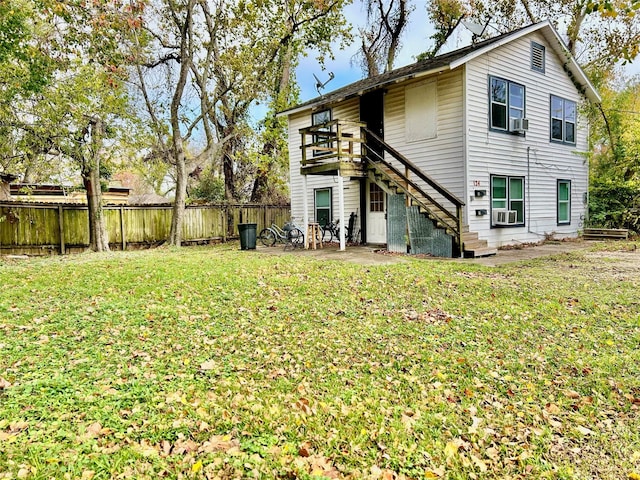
x,y
438,205
418,205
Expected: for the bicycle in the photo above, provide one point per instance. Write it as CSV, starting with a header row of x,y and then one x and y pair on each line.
x,y
289,234
332,230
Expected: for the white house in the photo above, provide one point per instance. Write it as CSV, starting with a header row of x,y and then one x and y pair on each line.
x,y
456,155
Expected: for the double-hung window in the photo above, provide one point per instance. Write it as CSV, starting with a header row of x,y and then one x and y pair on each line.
x,y
318,118
323,206
564,202
563,120
507,194
506,100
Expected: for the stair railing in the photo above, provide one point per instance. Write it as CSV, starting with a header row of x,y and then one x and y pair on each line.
x,y
373,144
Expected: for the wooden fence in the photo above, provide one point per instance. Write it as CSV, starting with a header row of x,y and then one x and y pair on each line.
x,y
45,228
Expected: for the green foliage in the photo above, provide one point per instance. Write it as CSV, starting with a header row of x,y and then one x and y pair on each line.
x,y
211,362
209,187
615,203
601,32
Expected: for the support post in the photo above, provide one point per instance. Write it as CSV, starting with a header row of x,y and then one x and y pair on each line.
x,y
343,225
122,229
459,215
61,228
305,204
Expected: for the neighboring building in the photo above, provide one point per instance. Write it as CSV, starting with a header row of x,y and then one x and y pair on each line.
x,y
41,193
477,148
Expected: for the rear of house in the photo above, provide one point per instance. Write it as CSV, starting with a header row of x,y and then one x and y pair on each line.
x,y
472,150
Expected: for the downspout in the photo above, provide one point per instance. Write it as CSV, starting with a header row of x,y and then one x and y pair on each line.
x,y
529,190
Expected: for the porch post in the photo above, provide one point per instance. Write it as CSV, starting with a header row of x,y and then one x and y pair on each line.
x,y
305,205
343,225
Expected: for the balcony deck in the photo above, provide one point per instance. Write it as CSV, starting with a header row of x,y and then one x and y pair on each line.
x,y
332,148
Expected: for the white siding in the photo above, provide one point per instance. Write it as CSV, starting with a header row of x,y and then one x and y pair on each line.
x,y
441,157
533,156
348,110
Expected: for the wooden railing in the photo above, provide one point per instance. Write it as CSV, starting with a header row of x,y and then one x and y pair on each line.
x,y
330,142
341,141
374,153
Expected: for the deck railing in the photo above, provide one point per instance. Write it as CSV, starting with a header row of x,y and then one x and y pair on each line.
x,y
334,141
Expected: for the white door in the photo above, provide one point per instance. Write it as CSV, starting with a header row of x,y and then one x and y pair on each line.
x,y
376,214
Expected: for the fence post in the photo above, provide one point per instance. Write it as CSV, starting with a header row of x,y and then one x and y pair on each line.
x,y
61,229
122,229
224,224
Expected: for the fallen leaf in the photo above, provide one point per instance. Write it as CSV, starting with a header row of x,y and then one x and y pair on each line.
x,y
208,365
452,447
479,463
93,430
572,394
552,408
4,383
585,430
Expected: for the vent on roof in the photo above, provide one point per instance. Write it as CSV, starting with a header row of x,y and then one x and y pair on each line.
x,y
537,57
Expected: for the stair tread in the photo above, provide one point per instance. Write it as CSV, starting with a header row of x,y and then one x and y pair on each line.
x,y
480,252
475,244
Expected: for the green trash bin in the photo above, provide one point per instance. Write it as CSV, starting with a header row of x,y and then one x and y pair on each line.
x,y
247,235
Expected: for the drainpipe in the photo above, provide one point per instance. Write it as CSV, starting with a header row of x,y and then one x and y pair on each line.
x,y
529,190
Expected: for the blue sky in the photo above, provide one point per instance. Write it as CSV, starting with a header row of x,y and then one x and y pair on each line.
x,y
415,41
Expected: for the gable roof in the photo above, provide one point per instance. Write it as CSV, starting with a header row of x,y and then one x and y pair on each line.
x,y
451,61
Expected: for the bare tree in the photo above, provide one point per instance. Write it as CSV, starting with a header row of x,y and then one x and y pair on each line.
x,y
380,39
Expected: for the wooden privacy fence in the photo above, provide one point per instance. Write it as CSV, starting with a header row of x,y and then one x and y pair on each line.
x,y
45,228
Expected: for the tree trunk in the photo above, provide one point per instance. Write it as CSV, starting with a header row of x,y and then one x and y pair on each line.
x,y
98,238
175,236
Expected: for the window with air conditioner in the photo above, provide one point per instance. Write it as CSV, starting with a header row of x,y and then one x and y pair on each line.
x,y
507,201
506,106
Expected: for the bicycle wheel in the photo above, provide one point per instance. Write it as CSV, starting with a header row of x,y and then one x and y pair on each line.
x,y
267,237
327,235
296,237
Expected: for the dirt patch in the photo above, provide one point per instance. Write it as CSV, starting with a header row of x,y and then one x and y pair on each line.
x,y
620,266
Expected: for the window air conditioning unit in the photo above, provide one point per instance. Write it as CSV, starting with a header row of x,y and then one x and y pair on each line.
x,y
519,124
502,216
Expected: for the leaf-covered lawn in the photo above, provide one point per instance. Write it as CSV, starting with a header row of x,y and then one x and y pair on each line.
x,y
220,363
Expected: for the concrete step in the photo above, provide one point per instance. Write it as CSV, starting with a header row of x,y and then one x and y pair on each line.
x,y
480,252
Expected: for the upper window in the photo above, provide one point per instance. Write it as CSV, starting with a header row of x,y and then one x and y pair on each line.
x,y
507,200
323,206
537,57
506,101
564,202
318,118
563,120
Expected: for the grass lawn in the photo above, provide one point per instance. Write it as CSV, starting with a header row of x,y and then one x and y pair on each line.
x,y
219,363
